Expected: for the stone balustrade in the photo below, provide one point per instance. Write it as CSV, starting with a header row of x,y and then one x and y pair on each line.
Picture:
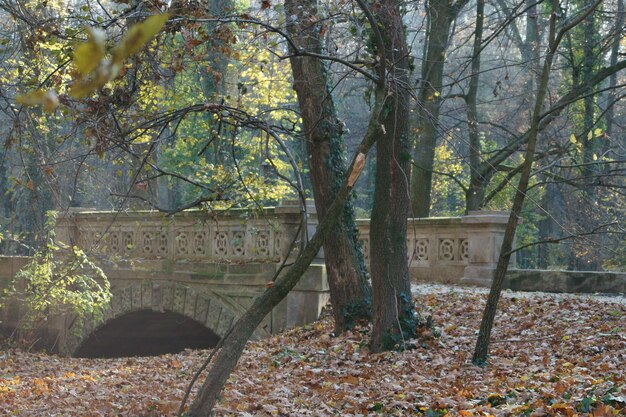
x,y
451,249
233,236
447,249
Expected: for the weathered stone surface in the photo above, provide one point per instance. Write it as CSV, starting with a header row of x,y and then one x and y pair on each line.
x,y
566,281
450,249
191,300
201,311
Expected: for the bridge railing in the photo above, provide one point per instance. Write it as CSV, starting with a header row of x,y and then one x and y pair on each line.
x,y
451,249
446,249
236,235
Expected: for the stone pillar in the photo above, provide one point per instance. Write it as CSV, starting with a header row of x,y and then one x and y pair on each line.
x,y
288,216
66,229
305,302
485,231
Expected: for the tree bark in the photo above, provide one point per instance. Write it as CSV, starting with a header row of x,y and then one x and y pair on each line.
x,y
235,341
475,194
610,114
350,291
391,289
585,256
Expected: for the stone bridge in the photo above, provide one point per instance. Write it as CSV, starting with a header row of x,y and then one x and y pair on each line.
x,y
181,281
194,268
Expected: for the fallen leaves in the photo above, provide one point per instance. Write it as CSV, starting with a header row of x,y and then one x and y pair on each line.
x,y
555,356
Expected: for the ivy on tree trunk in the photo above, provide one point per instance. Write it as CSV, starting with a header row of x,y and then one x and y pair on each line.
x,y
350,291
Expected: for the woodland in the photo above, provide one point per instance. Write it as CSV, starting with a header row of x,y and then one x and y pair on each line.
x,y
381,109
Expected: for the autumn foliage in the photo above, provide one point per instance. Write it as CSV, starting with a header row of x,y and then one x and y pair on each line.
x,y
551,356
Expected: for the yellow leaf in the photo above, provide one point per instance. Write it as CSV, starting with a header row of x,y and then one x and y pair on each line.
x,y
572,138
137,36
590,135
103,75
597,132
32,98
48,99
595,157
82,89
87,55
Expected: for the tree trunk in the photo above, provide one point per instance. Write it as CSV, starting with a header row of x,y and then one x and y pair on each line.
x,y
235,341
394,319
482,343
613,95
530,49
441,14
475,194
585,255
350,292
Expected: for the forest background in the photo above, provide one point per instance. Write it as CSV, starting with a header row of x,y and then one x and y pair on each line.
x,y
471,87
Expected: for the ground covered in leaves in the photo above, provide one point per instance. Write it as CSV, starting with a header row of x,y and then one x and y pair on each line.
x,y
550,355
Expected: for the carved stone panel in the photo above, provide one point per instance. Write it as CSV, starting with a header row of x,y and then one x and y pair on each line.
x,y
162,243
447,250
464,250
128,242
220,244
421,251
200,243
181,243
114,243
262,244
278,236
148,242
238,243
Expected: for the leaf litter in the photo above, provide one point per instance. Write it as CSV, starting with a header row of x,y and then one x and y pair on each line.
x,y
550,356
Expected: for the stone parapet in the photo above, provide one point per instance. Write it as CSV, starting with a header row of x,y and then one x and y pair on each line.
x,y
229,236
450,249
583,282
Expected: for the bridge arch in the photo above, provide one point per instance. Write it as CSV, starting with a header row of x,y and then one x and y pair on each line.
x,y
197,310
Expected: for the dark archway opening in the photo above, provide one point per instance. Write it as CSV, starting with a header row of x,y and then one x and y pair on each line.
x,y
146,333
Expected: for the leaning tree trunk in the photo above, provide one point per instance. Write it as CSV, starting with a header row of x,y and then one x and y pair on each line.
x,y
235,341
350,292
481,349
393,307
